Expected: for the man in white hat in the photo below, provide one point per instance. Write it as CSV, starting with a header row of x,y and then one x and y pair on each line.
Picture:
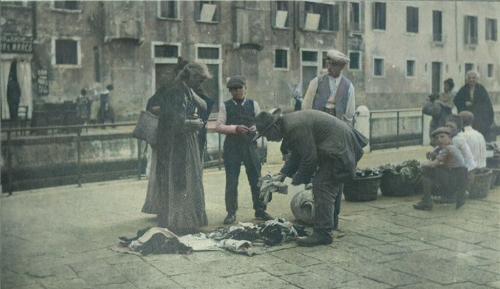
x,y
333,93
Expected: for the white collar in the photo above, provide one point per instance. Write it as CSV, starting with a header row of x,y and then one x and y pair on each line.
x,y
242,103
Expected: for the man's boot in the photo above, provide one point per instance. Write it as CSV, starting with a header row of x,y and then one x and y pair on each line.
x,y
262,215
318,237
230,219
423,205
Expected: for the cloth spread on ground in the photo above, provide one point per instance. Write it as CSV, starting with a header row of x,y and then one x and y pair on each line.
x,y
245,238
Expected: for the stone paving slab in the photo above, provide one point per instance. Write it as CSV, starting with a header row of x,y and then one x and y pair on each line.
x,y
60,238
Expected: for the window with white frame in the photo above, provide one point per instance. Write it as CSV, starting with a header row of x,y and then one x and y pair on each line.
x,y
66,52
321,16
378,66
309,66
412,19
355,16
470,30
437,26
491,29
410,68
280,14
168,9
490,70
67,5
211,56
281,59
354,60
166,51
207,11
378,15
22,3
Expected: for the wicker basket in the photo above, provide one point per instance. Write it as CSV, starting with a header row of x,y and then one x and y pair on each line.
x,y
495,178
480,186
362,189
393,185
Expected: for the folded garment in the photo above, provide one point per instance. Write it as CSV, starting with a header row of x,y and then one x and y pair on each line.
x,y
237,246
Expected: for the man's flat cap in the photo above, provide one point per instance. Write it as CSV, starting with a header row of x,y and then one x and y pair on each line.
x,y
441,130
236,81
337,56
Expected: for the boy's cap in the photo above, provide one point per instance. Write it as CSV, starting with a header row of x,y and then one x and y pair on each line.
x,y
441,130
236,81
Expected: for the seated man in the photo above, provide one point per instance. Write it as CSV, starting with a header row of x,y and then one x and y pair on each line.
x,y
474,139
446,170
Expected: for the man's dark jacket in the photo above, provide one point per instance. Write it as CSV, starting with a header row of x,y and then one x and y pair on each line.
x,y
314,137
481,107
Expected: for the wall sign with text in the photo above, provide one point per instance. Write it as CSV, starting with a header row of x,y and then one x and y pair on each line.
x,y
16,43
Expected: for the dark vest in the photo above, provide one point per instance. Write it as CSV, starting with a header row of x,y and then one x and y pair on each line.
x,y
341,95
237,114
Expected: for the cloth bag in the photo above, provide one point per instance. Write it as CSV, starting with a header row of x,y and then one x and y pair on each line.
x,y
146,127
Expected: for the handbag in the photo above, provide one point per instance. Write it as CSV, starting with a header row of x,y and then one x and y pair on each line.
x,y
146,127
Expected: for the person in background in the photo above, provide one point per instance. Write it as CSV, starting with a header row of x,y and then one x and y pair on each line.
x,y
455,125
333,93
105,110
82,107
439,111
447,95
474,139
236,120
473,97
445,169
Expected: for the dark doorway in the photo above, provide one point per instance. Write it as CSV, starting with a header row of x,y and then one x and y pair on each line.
x,y
436,77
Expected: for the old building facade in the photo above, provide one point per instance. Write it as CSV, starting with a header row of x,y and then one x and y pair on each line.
x,y
64,46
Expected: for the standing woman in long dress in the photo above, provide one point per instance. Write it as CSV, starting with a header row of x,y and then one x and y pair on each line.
x,y
179,165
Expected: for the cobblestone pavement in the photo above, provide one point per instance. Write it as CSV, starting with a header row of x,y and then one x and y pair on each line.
x,y
61,238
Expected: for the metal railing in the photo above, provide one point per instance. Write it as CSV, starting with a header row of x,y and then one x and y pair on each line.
x,y
14,137
396,128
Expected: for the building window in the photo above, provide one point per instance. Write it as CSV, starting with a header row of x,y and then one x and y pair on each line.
x,y
280,14
22,3
309,66
211,56
207,11
355,60
67,52
410,68
281,59
166,51
437,26
355,14
468,67
168,9
470,31
491,29
379,15
320,16
412,19
378,67
67,5
490,71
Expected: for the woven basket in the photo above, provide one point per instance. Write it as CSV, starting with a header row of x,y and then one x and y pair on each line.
x,y
480,186
362,189
393,185
146,127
